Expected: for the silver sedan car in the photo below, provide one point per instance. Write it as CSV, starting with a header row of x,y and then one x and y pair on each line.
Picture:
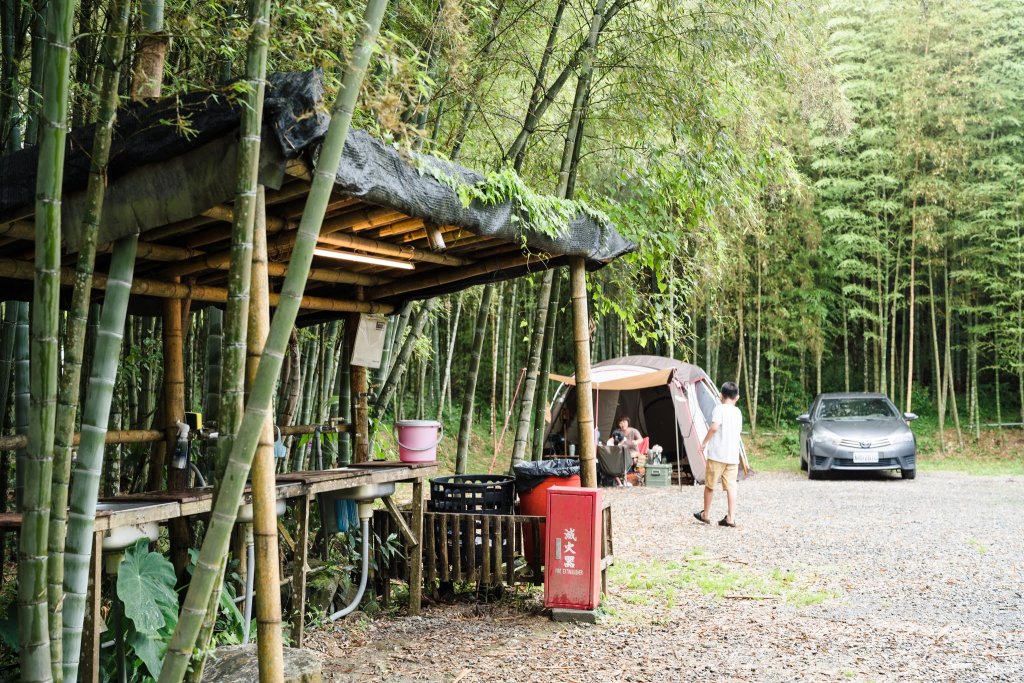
x,y
853,431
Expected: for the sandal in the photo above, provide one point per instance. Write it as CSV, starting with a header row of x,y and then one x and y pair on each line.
x,y
725,522
699,516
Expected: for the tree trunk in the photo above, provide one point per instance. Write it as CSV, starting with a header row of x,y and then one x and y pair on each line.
x,y
469,391
215,544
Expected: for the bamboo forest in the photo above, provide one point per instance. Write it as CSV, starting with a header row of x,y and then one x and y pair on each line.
x,y
394,340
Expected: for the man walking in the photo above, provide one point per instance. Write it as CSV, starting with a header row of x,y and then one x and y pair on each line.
x,y
722,449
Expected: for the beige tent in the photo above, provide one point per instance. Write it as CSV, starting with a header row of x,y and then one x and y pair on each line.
x,y
667,400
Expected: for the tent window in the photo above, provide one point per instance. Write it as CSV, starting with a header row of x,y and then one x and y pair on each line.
x,y
707,400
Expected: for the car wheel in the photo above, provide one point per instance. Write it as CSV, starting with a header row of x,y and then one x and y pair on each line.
x,y
909,474
813,473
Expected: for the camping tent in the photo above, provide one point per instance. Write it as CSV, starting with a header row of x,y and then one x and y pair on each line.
x,y
667,400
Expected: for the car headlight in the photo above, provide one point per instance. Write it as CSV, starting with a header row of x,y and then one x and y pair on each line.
x,y
904,437
825,438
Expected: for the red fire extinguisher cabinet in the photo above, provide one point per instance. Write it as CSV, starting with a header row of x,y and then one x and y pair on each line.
x,y
572,573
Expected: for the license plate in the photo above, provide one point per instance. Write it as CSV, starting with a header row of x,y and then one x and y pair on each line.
x,y
865,456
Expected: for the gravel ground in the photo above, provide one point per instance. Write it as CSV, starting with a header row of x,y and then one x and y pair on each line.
x,y
907,581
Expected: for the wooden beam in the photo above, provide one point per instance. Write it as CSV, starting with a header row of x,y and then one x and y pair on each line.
x,y
299,569
394,250
445,277
416,561
13,442
399,520
279,247
23,270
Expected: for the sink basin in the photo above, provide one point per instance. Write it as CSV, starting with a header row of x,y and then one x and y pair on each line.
x,y
366,492
119,538
340,514
245,511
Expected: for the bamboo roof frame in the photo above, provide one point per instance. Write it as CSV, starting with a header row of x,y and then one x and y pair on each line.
x,y
184,232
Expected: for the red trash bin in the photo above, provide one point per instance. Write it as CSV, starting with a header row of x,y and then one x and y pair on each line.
x,y
535,502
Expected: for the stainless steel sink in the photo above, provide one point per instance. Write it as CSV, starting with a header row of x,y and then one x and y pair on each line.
x,y
245,512
366,492
120,537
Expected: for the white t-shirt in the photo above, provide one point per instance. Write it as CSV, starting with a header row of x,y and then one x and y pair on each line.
x,y
725,443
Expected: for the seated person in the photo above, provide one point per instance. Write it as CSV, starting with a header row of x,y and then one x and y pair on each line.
x,y
631,436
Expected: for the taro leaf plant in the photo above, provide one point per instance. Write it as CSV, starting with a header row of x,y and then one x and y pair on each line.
x,y
145,589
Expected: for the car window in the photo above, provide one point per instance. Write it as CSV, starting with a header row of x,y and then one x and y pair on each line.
x,y
856,409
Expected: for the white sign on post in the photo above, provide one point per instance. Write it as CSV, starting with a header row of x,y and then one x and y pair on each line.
x,y
369,344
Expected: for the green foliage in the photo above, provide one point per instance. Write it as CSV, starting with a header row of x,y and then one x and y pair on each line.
x,y
145,589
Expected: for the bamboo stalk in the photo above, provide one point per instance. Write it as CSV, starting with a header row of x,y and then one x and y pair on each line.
x,y
402,362
584,397
89,465
542,382
524,427
14,441
222,519
77,321
33,632
21,398
264,499
469,395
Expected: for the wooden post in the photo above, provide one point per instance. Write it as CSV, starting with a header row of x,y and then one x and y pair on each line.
x,y
299,570
584,397
89,664
360,394
174,412
416,556
264,496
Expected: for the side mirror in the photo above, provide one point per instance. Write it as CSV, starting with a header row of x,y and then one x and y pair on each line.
x,y
909,417
805,418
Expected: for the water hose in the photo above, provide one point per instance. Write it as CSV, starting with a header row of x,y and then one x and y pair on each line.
x,y
365,512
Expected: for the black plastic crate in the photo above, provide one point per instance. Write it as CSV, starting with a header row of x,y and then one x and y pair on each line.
x,y
489,494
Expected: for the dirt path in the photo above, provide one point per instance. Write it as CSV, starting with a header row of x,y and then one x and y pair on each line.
x,y
867,579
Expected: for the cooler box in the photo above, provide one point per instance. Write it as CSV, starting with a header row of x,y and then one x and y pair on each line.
x,y
658,475
572,571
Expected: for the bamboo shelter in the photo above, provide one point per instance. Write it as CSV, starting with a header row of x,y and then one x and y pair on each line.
x,y
399,226
396,228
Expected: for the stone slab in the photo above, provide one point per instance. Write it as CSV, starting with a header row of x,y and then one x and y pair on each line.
x,y
238,664
574,616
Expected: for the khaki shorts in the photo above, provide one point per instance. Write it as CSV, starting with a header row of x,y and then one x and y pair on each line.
x,y
720,471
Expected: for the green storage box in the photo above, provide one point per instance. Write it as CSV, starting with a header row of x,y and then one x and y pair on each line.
x,y
659,475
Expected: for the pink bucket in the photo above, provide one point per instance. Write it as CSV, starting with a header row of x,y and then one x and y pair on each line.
x,y
418,440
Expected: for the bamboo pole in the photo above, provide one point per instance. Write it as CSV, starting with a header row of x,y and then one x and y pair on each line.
x,y
584,397
21,398
77,321
14,441
33,631
89,465
468,398
407,285
402,362
360,390
215,544
525,424
21,270
264,499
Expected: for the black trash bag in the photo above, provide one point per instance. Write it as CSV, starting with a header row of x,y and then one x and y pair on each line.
x,y
530,473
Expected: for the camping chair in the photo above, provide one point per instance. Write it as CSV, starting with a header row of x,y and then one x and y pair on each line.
x,y
612,464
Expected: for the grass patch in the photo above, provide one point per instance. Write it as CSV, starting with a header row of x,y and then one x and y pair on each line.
x,y
666,582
